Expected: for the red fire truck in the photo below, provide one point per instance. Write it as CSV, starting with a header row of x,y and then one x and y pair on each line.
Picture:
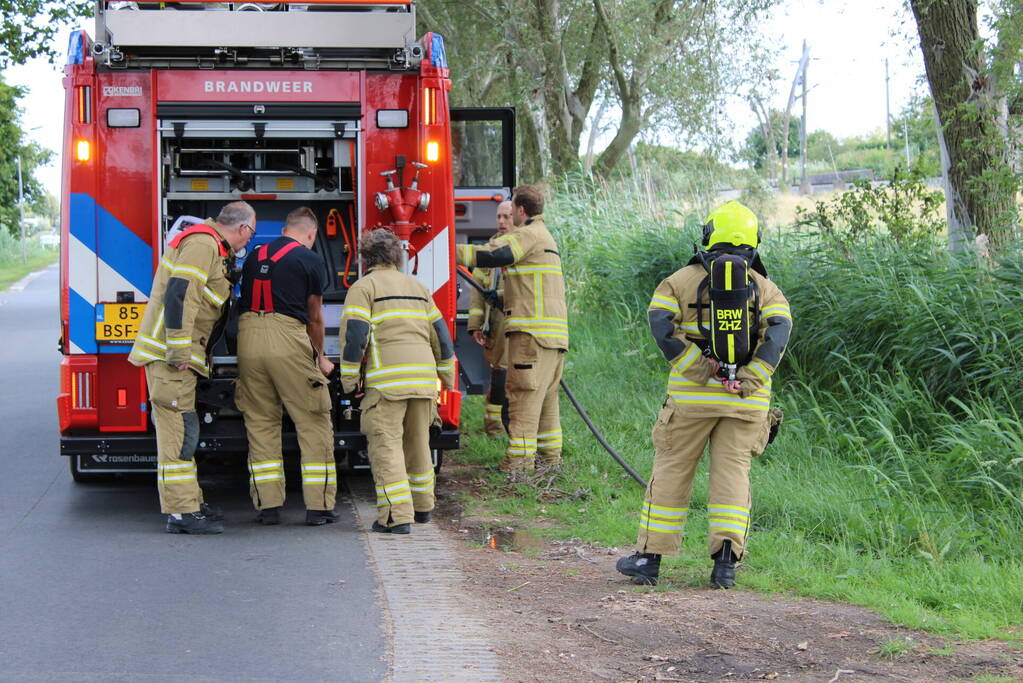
x,y
177,108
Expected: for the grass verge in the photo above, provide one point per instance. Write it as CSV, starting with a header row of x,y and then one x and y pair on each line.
x,y
12,272
824,523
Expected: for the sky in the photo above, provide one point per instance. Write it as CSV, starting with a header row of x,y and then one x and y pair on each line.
x,y
849,41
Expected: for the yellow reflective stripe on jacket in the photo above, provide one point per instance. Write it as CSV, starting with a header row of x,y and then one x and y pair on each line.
x,y
149,341
402,376
179,341
720,400
665,302
357,312
475,311
433,314
686,360
181,269
529,270
411,369
513,242
402,313
760,370
213,296
556,328
350,368
561,323
777,309
145,354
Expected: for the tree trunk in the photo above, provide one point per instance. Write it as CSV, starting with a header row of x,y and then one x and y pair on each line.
x,y
628,129
977,174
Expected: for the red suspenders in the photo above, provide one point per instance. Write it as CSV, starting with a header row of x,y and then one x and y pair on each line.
x,y
262,295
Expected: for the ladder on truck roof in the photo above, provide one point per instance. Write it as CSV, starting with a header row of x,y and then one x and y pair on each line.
x,y
260,34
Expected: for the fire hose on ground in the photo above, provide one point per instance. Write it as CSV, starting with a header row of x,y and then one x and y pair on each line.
x,y
487,294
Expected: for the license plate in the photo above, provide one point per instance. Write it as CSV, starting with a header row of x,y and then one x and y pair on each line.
x,y
118,322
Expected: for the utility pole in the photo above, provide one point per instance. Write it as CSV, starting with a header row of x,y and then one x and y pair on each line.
x,y
804,185
21,213
905,135
887,108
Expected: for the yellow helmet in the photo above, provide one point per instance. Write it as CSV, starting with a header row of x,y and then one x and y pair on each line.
x,y
732,223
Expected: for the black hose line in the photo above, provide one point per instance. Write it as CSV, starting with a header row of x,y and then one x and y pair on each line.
x,y
600,437
575,403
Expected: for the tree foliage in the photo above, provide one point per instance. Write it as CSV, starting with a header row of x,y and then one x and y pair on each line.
x,y
755,150
13,146
663,64
28,27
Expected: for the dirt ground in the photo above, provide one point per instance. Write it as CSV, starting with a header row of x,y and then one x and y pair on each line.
x,y
560,612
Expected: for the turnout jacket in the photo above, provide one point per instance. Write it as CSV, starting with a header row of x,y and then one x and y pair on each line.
x,y
483,316
390,320
672,315
190,292
534,287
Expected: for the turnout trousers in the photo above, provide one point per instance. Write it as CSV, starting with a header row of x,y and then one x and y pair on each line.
x,y
276,367
534,418
398,436
172,398
495,411
679,443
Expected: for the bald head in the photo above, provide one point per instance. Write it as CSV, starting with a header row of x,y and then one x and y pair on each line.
x,y
504,216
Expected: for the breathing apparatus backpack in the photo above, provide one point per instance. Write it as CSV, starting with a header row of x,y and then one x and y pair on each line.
x,y
732,320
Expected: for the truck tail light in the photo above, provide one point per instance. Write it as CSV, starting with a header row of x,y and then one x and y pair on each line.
x,y
76,403
83,150
432,150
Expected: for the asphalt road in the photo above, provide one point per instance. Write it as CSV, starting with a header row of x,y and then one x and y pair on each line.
x,y
92,590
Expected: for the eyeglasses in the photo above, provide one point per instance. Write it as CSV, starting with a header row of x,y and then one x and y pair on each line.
x,y
246,226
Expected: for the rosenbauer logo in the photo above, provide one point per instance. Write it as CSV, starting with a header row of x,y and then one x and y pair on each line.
x,y
258,86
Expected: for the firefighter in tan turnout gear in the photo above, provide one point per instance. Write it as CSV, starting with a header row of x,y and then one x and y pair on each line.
x,y
711,398
190,292
398,347
486,324
536,330
281,361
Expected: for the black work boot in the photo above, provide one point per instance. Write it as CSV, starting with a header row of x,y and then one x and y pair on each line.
x,y
318,517
423,517
211,512
644,568
405,528
193,523
269,516
723,574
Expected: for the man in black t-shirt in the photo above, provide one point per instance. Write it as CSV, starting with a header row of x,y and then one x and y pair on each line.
x,y
281,361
